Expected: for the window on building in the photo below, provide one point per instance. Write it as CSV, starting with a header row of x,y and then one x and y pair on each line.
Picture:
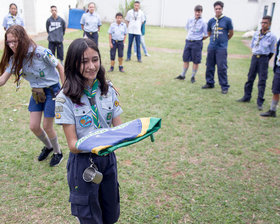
x,y
272,9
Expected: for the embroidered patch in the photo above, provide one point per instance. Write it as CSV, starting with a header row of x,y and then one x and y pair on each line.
x,y
38,55
57,115
85,121
59,109
60,100
117,103
109,116
42,74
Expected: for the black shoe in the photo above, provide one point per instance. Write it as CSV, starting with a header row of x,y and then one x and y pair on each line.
x,y
128,59
140,61
56,159
180,77
225,91
44,154
121,69
260,108
111,69
192,79
207,86
243,100
269,113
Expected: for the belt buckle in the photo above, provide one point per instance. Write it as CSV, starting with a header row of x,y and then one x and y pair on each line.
x,y
258,56
90,33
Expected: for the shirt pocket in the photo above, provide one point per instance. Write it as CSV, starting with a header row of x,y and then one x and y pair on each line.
x,y
83,117
107,104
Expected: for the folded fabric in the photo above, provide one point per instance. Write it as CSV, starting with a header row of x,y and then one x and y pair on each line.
x,y
105,140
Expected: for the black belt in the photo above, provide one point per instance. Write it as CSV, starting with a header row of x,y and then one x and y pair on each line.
x,y
260,55
90,33
118,41
193,40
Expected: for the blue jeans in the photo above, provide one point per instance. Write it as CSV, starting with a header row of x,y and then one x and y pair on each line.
x,y
142,43
219,58
130,41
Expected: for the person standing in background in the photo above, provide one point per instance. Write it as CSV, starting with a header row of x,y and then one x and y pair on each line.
x,y
91,23
12,18
197,32
134,19
220,30
56,29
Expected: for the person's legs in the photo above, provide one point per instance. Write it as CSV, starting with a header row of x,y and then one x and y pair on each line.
x,y
51,46
95,38
210,69
262,72
137,40
120,55
221,59
142,41
248,87
113,55
60,55
186,58
196,51
130,41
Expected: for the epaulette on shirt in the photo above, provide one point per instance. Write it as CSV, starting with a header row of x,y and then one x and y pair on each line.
x,y
111,84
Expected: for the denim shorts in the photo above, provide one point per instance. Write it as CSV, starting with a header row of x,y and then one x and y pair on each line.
x,y
49,105
276,82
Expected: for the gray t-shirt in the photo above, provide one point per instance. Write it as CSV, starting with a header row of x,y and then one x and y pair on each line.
x,y
68,112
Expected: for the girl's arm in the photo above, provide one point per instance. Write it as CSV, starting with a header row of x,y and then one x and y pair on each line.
x,y
116,121
60,70
71,137
4,78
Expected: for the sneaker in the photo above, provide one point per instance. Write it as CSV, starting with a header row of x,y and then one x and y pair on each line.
x,y
135,54
269,113
140,61
224,91
111,69
260,108
121,69
243,100
180,77
44,154
207,86
147,55
192,79
128,59
56,159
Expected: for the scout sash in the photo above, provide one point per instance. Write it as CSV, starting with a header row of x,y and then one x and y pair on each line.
x,y
105,140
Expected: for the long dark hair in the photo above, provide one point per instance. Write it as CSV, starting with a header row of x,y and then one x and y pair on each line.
x,y
24,42
74,84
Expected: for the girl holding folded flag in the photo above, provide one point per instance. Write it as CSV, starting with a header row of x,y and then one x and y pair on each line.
x,y
87,102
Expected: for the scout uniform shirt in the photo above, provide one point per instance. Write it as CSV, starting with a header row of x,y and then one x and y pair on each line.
x,y
220,40
80,115
91,22
10,20
118,31
196,28
40,71
263,44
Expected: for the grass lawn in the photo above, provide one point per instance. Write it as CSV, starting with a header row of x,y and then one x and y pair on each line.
x,y
213,161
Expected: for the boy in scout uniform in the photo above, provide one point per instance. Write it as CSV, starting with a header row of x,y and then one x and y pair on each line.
x,y
263,47
117,34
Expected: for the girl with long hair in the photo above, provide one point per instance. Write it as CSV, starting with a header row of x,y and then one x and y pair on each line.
x,y
23,58
87,102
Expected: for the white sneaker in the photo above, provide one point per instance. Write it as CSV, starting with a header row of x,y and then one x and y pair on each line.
x,y
148,55
135,54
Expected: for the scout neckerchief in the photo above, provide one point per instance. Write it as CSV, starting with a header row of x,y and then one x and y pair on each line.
x,y
261,36
91,96
194,26
135,15
216,27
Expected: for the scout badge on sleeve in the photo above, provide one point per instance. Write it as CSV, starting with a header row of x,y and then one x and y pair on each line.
x,y
106,140
38,95
91,174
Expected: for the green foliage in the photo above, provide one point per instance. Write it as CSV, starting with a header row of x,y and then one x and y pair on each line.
x,y
213,161
124,8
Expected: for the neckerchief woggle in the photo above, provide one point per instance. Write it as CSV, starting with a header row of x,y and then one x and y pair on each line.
x,y
216,28
91,94
106,140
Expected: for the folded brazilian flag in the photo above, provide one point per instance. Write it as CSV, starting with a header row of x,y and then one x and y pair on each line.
x,y
105,140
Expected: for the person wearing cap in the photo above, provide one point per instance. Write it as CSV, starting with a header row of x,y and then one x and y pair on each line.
x,y
197,32
220,30
263,47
